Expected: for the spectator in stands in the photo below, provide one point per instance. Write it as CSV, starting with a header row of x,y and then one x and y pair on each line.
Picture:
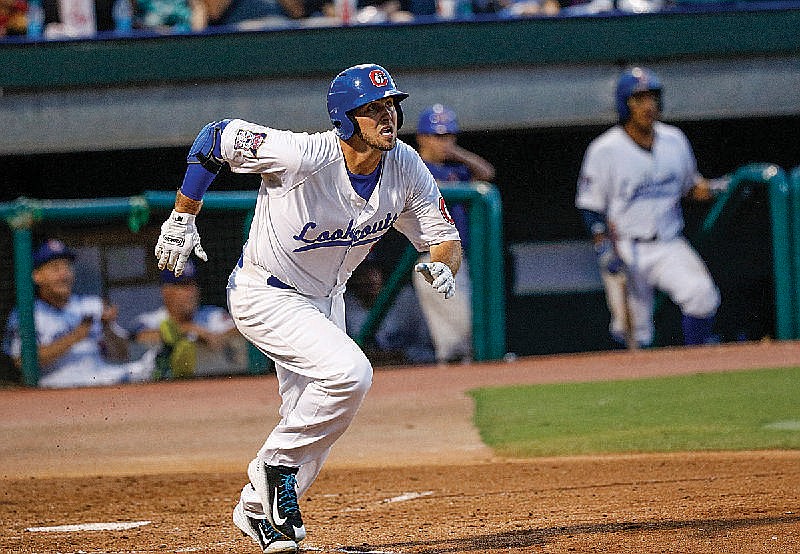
x,y
68,19
181,16
12,17
243,12
517,8
585,7
190,337
402,337
450,322
79,340
382,11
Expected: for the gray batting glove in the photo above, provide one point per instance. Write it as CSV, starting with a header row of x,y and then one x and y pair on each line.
x,y
441,277
608,258
179,237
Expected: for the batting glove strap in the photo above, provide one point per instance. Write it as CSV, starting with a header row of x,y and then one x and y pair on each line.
x,y
443,279
179,237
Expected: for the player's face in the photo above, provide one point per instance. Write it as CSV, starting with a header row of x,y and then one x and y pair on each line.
x,y
376,123
436,148
55,280
644,108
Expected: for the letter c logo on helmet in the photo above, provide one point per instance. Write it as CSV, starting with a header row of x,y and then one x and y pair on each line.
x,y
355,87
378,78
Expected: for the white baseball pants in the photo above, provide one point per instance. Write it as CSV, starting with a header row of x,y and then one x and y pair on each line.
x,y
323,376
672,266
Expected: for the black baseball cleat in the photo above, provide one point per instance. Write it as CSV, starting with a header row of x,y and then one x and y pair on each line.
x,y
260,530
277,487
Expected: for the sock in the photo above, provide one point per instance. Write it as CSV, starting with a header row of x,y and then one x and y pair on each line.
x,y
697,330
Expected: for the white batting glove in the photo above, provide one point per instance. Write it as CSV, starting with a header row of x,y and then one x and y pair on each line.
x,y
179,237
441,277
719,184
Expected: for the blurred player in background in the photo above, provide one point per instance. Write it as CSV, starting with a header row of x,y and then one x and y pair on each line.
x,y
324,200
630,188
450,322
79,340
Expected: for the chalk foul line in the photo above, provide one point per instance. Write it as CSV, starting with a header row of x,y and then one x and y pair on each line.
x,y
111,526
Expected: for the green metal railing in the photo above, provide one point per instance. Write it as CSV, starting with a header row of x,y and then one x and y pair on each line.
x,y
485,255
794,193
783,209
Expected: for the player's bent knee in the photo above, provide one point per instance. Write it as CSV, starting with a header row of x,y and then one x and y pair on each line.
x,y
353,375
703,302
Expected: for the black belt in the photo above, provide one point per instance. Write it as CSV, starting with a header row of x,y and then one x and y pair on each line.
x,y
651,238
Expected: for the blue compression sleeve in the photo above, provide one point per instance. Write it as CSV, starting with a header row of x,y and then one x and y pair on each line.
x,y
594,221
204,159
196,181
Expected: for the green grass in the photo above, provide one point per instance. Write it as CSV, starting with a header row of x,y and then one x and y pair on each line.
x,y
714,411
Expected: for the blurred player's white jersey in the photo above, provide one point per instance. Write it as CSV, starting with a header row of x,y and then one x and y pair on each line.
x,y
638,190
310,228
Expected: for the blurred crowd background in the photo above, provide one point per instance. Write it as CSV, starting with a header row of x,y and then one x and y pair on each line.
x,y
59,19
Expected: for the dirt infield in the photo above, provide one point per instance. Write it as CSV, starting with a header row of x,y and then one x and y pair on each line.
x,y
410,476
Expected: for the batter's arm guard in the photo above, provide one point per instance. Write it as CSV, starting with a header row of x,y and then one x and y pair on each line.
x,y
204,159
607,256
594,221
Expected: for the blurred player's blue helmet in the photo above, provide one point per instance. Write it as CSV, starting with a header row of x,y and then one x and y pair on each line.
x,y
632,81
437,120
355,87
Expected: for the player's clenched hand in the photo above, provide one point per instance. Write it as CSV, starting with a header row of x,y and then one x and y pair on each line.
x,y
178,238
439,276
608,258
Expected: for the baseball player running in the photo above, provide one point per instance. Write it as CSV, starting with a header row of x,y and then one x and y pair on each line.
x,y
629,192
324,200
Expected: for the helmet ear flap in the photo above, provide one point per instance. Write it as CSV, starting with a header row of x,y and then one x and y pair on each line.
x,y
343,127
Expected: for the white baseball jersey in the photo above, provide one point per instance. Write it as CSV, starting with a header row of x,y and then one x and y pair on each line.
x,y
83,364
310,228
639,191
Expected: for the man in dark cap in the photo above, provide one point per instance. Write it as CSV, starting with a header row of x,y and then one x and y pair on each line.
x,y
79,341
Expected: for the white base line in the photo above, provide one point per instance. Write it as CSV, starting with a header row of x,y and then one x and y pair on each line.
x,y
408,496
114,526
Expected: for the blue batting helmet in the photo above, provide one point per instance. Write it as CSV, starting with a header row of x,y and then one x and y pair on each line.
x,y
632,81
437,120
355,87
